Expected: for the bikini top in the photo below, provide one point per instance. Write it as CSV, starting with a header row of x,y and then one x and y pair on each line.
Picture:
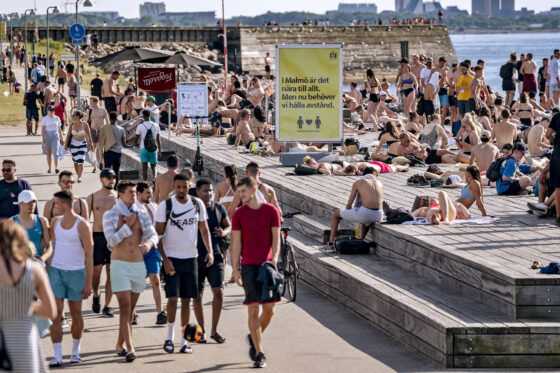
x,y
78,133
466,193
407,81
226,198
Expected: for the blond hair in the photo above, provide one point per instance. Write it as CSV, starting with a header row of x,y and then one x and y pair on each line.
x,y
14,244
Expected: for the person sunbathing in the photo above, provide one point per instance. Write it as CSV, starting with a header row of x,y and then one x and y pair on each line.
x,y
380,167
338,168
442,212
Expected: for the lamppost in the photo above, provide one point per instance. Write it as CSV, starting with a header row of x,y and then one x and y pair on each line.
x,y
55,11
87,3
26,72
225,47
11,17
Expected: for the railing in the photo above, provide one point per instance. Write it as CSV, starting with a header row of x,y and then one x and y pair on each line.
x,y
169,108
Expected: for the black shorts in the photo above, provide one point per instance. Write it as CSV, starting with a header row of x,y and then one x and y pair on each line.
x,y
267,68
472,105
215,273
253,288
513,190
433,157
184,283
407,91
110,104
429,107
420,106
101,254
374,97
61,81
453,101
244,104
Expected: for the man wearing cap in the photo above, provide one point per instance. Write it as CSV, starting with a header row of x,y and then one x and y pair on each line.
x,y
98,203
37,227
152,107
97,118
10,188
485,153
109,95
510,183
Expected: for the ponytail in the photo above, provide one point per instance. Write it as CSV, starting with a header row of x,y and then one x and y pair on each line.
x,y
231,175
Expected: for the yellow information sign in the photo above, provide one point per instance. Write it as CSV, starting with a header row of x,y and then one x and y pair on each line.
x,y
3,30
309,93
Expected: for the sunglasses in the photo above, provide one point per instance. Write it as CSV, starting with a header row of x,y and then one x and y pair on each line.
x,y
7,169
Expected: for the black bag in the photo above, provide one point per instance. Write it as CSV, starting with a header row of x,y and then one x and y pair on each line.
x,y
303,169
223,242
352,141
216,119
398,216
414,160
149,140
351,245
230,138
493,172
504,73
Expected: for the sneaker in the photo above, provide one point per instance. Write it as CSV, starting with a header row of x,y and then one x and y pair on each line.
x,y
541,207
252,351
95,305
64,322
135,319
260,361
55,363
168,346
328,248
161,318
186,349
107,312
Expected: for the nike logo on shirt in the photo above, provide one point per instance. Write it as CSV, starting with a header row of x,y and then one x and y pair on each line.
x,y
175,216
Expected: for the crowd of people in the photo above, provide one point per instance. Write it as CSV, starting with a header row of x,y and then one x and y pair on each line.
x,y
183,234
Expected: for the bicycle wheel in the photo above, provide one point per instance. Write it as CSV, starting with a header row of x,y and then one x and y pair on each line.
x,y
282,266
291,273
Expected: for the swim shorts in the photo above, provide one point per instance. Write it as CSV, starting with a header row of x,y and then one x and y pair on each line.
x,y
128,276
362,215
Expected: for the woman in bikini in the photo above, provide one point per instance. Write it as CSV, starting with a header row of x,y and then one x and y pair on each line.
x,y
391,138
469,134
139,102
225,190
380,167
372,88
524,111
485,118
407,84
338,168
413,126
444,211
78,141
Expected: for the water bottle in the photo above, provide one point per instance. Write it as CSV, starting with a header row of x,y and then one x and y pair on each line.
x,y
385,149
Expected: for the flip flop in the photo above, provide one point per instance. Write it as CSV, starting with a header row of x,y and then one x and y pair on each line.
x,y
130,357
218,338
203,339
122,352
55,363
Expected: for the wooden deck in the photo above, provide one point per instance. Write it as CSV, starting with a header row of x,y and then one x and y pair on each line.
x,y
449,292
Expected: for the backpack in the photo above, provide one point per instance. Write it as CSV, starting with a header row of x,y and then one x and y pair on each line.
x,y
223,242
169,208
398,216
303,169
149,141
504,74
352,245
493,173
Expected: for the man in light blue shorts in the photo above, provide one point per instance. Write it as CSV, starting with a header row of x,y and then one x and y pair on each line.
x,y
148,132
130,234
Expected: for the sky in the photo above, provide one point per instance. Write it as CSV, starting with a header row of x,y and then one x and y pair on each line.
x,y
129,8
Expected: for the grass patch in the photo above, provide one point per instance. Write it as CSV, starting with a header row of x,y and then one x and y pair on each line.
x,y
12,112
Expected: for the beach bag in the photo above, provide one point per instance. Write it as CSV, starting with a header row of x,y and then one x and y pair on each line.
x,y
61,152
352,246
493,173
230,138
91,158
149,141
398,216
303,169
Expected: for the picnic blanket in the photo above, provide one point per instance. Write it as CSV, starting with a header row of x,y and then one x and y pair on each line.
x,y
472,220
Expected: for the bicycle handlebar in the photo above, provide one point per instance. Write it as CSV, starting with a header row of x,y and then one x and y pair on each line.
x,y
289,215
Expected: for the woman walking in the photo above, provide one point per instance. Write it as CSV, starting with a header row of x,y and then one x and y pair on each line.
x,y
77,140
72,90
20,280
372,86
60,108
52,136
226,189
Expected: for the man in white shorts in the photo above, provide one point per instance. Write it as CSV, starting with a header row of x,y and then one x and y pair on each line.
x,y
368,192
554,76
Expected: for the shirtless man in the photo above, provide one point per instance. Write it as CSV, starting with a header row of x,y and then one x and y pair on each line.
x,y
477,85
65,182
109,95
98,203
264,192
485,153
49,94
368,193
97,118
536,141
354,92
528,69
164,182
267,65
254,98
408,145
243,132
130,234
417,66
505,132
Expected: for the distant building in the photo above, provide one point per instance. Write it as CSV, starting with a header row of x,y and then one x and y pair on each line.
x,y
524,12
417,6
354,7
495,8
202,17
152,9
107,15
452,11
402,5
507,8
481,7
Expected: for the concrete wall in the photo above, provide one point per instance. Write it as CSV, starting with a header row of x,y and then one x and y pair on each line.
x,y
377,47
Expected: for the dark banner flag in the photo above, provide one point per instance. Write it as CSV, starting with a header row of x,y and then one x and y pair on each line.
x,y
156,79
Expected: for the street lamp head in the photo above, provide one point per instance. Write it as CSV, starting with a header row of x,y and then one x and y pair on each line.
x,y
55,10
32,13
88,3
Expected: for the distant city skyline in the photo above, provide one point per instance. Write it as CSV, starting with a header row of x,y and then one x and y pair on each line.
x,y
130,9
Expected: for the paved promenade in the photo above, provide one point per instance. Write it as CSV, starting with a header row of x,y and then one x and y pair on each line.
x,y
313,335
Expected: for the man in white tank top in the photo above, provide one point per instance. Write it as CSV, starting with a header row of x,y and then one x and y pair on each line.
x,y
69,277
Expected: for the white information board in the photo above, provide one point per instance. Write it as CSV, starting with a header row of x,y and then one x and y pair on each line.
x,y
192,100
67,57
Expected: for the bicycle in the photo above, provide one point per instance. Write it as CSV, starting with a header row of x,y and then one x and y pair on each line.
x,y
287,264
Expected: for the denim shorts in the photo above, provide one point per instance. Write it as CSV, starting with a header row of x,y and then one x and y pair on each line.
x,y
67,284
128,276
444,100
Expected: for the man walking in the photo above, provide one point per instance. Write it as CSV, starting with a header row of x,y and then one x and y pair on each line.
x,y
148,132
218,224
108,93
70,278
66,182
98,203
97,118
130,234
30,100
112,138
164,182
152,259
180,218
255,240
10,187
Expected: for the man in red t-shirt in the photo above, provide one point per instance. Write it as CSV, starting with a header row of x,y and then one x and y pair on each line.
x,y
255,240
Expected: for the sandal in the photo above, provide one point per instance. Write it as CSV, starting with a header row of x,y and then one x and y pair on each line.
x,y
122,352
49,171
203,338
218,338
75,359
130,357
55,363
168,346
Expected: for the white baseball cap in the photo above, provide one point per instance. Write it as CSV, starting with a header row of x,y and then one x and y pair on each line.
x,y
26,196
382,93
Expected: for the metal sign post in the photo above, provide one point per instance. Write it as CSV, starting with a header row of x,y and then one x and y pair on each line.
x,y
77,32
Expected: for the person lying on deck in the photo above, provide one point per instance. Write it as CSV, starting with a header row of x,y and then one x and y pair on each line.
x,y
444,211
338,168
408,145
